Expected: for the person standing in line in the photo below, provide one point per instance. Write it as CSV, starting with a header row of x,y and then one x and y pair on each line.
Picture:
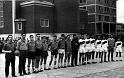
x,y
75,47
82,51
118,47
98,48
22,47
61,50
9,48
31,54
68,51
45,49
1,46
54,52
87,48
111,42
104,47
38,53
92,46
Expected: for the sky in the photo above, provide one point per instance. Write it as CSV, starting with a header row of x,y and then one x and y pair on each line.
x,y
120,11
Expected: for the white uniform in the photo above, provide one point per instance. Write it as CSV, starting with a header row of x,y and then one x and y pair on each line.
x,y
118,46
98,46
104,45
87,47
92,45
82,46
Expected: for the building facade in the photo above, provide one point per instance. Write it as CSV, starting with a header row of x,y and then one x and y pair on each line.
x,y
46,17
101,15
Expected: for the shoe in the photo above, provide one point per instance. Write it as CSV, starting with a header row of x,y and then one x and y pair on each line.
x,y
49,69
29,73
35,71
55,68
59,67
25,74
72,65
112,60
14,76
63,66
88,63
21,75
105,61
41,70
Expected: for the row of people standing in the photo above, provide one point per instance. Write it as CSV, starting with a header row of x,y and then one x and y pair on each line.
x,y
97,50
36,51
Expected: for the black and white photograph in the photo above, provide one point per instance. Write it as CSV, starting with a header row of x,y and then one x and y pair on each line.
x,y
61,38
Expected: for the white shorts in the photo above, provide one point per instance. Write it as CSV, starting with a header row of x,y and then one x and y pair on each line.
x,y
62,51
92,49
98,50
118,49
82,50
105,49
87,49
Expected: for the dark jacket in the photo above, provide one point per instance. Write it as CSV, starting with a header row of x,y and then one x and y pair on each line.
x,y
75,45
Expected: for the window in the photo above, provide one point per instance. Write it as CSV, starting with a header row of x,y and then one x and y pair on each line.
x,y
122,27
82,1
99,17
1,24
19,24
1,15
44,22
106,18
1,8
84,8
99,7
106,9
106,1
1,3
118,30
1,19
113,2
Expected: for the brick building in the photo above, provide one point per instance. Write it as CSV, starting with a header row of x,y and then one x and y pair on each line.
x,y
47,17
101,15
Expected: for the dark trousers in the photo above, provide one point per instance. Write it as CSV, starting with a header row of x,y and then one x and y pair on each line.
x,y
10,58
101,56
105,56
74,57
81,56
97,54
118,54
87,56
93,54
22,61
110,52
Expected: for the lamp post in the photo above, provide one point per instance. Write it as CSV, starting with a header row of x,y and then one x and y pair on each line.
x,y
13,18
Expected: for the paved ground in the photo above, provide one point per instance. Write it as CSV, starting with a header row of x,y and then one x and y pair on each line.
x,y
101,70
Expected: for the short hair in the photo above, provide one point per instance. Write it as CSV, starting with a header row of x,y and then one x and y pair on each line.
x,y
37,34
23,34
62,35
9,36
30,35
74,35
55,36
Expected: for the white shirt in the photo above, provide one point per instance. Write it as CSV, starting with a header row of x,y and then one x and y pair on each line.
x,y
98,43
104,43
118,44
